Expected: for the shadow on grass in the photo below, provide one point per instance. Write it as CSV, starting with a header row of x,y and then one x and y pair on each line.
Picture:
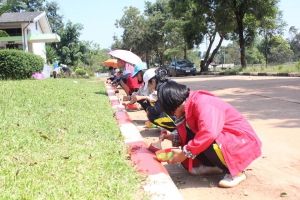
x,y
103,92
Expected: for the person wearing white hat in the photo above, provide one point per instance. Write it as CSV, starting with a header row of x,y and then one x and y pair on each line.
x,y
153,80
147,97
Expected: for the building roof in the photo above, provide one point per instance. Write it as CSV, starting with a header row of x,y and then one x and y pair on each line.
x,y
20,17
9,19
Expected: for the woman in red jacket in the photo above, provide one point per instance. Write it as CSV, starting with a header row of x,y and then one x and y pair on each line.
x,y
210,130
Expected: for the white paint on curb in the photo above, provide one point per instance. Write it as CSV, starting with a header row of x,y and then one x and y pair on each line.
x,y
161,186
112,98
109,90
130,132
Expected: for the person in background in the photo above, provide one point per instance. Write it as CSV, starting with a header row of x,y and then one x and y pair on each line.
x,y
116,82
128,84
56,69
153,79
209,130
112,75
66,69
142,95
146,96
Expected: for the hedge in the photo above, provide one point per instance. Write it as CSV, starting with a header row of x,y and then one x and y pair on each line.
x,y
17,64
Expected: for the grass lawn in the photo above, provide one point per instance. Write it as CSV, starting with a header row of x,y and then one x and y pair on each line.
x,y
263,69
59,140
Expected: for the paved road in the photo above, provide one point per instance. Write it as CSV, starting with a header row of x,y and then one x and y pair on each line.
x,y
272,106
255,94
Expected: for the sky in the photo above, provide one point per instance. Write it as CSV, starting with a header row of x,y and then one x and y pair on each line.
x,y
98,17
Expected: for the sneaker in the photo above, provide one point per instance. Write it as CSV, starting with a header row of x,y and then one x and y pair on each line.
x,y
228,181
202,169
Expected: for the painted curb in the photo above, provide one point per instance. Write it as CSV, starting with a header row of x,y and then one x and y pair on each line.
x,y
159,183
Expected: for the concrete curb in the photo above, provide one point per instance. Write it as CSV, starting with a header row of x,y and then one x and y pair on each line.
x,y
159,183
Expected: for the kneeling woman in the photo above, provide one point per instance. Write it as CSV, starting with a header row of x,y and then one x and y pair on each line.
x,y
147,97
210,130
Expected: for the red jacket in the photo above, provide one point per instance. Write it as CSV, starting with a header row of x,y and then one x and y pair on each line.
x,y
133,83
213,119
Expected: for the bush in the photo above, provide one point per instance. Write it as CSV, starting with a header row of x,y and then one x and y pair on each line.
x,y
80,71
91,73
17,64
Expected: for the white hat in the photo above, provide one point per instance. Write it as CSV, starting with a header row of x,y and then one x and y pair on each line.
x,y
150,73
117,70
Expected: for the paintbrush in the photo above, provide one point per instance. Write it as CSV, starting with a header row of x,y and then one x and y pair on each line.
x,y
155,146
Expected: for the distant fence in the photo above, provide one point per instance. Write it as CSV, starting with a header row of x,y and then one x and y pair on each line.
x,y
101,74
272,64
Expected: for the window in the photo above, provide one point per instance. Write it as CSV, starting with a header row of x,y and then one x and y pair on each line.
x,y
36,26
13,31
14,46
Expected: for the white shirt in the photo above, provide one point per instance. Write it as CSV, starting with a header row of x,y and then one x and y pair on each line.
x,y
151,94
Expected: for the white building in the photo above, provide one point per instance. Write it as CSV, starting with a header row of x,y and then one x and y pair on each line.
x,y
28,31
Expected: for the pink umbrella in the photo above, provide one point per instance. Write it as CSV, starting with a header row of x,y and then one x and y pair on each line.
x,y
127,56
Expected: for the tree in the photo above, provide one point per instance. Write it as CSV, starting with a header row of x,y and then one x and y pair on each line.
x,y
6,6
55,20
248,14
280,51
204,19
132,23
50,54
270,27
294,41
69,49
164,33
145,34
29,6
51,9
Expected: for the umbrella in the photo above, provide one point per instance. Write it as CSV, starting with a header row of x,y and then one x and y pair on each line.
x,y
111,63
127,56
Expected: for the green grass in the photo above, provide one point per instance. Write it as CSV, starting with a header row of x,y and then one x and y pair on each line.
x,y
59,140
262,69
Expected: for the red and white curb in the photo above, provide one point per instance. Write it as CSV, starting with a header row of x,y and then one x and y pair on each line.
x,y
159,183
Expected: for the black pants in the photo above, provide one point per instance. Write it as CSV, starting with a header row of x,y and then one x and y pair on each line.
x,y
161,120
144,104
54,74
209,156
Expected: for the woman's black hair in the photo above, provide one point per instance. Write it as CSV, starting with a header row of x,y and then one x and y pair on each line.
x,y
160,77
142,75
171,95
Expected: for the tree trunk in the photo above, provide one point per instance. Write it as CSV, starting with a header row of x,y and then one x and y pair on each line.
x,y
204,66
266,51
239,18
184,51
210,59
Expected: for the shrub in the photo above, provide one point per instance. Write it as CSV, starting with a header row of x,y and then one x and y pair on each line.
x,y
80,71
17,64
90,73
